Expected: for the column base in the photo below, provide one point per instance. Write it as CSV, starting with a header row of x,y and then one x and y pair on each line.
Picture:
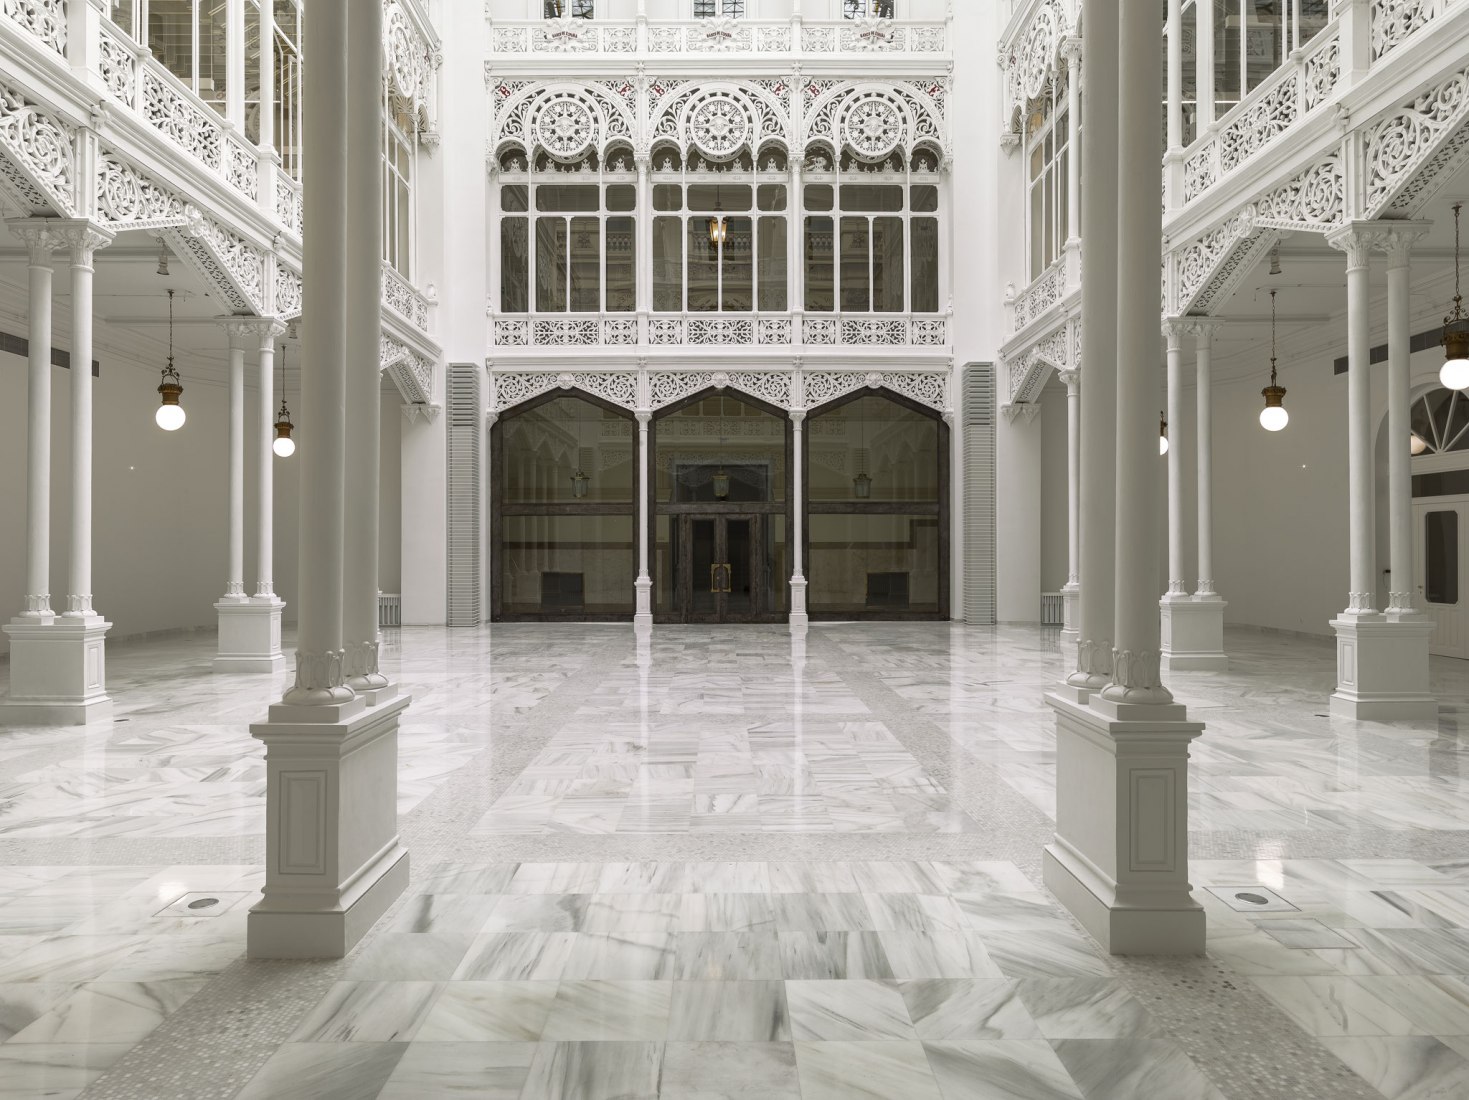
x,y
250,636
58,672
1119,863
643,588
1193,634
1382,672
334,861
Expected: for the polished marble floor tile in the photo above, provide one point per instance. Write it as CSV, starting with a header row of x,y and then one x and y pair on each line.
x,y
865,1071
729,1071
1128,1069
325,1071
849,1011
943,1009
1004,1069
483,1071
32,1070
369,1012
109,1012
733,1011
595,1071
606,1011
1405,1067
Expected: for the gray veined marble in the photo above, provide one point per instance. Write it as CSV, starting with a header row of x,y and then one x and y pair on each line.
x,y
488,1012
740,1011
848,1011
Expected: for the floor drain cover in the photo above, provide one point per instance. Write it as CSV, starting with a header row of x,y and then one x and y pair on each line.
x,y
1252,899
209,903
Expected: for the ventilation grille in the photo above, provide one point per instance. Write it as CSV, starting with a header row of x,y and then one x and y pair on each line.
x,y
1053,609
466,460
389,609
979,494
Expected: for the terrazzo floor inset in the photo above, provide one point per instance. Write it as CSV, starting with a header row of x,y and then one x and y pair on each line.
x,y
730,862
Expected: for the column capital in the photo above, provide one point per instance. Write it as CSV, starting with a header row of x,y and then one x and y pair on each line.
x,y
1072,380
1397,238
81,238
1202,329
1021,410
798,417
1071,51
262,331
38,235
644,417
1174,329
1359,239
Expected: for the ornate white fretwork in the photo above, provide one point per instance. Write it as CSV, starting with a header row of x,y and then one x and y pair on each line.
x,y
46,19
718,124
1197,264
231,267
1311,201
400,296
411,372
118,66
566,126
1394,20
1031,59
1045,292
410,62
1398,146
1029,367
873,125
42,152
127,198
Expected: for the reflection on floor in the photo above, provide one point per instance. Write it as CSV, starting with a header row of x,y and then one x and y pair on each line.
x,y
726,864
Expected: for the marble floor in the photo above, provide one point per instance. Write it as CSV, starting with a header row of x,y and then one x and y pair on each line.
x,y
726,862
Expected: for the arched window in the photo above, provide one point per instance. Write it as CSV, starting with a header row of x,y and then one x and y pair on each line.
x,y
400,143
877,513
1047,132
563,515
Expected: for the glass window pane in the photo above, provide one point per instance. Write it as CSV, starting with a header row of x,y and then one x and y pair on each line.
x,y
874,563
925,198
586,265
720,196
893,446
622,289
546,445
668,264
621,197
925,265
568,197
514,265
213,55
1441,557
773,277
703,267
887,265
819,267
856,289
863,196
667,196
738,292
567,565
515,198
771,196
717,433
820,196
171,36
551,241
1037,230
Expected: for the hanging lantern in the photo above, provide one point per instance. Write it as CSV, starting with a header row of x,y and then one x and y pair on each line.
x,y
1162,433
170,415
718,227
1455,372
580,483
862,486
1273,417
283,445
721,484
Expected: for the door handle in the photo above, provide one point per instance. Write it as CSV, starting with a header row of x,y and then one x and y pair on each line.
x,y
714,585
714,577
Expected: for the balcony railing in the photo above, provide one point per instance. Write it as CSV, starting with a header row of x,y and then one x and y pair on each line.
x,y
562,36
401,296
721,330
1310,78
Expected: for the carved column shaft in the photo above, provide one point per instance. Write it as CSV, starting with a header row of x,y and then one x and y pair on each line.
x,y
1072,379
39,243
234,588
1176,440
1204,334
1204,63
1398,245
265,439
83,240
1100,64
364,276
319,654
1136,644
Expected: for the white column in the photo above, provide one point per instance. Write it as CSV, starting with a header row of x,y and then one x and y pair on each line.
x,y
265,468
644,253
83,239
1071,50
644,606
1177,586
799,617
1119,861
1175,76
1099,353
234,588
1382,665
334,859
234,92
39,245
267,77
1204,62
1071,592
1399,241
1204,394
58,666
796,260
364,277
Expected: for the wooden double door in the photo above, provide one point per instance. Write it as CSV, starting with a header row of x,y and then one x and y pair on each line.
x,y
722,568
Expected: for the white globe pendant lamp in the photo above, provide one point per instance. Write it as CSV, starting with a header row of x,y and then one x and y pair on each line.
x,y
283,445
1273,417
170,415
1454,375
1162,433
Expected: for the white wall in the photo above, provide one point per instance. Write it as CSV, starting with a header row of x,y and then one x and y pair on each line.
x,y
160,499
390,498
1055,517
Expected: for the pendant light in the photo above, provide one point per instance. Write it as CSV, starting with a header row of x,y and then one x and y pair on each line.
x,y
1162,433
721,476
1454,374
862,483
1417,444
1273,416
580,482
162,257
718,227
170,415
284,446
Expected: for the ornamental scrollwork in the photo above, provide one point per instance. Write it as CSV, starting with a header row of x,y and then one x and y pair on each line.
x,y
1308,201
873,125
45,19
1395,148
118,67
1394,20
128,198
1272,115
408,61
1198,262
43,149
188,127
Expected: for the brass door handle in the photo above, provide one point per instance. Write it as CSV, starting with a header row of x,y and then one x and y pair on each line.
x,y
714,577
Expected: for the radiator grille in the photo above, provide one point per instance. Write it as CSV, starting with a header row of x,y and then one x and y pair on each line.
x,y
466,490
979,494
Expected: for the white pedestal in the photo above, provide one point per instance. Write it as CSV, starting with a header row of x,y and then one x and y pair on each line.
x,y
1070,618
250,636
1382,669
1119,862
334,862
800,620
643,615
58,672
1193,634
